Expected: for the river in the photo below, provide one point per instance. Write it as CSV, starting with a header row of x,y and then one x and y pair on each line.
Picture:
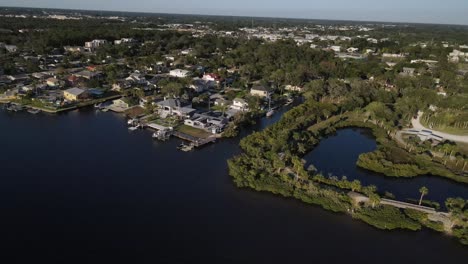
x,y
80,188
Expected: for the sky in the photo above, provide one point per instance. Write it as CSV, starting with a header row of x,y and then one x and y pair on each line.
x,y
419,11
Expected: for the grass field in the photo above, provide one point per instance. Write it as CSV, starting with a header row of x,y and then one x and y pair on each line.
x,y
195,132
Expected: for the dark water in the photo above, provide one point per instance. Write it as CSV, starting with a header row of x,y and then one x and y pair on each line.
x,y
338,155
80,188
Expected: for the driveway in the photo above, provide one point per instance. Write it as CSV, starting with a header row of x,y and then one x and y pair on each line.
x,y
416,122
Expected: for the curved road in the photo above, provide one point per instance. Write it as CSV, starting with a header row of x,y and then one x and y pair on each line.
x,y
418,126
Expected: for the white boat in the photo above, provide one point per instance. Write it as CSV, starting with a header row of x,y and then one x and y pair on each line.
x,y
34,111
270,113
290,101
131,121
133,128
270,110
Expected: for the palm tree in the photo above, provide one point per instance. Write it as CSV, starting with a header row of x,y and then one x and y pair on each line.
x,y
355,185
423,191
374,199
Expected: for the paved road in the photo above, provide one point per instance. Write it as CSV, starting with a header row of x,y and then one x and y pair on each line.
x,y
418,126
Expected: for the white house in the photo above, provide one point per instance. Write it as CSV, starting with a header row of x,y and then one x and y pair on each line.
x,y
260,91
336,48
179,73
240,104
124,41
94,44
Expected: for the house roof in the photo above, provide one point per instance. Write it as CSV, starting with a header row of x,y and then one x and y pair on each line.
x,y
261,88
240,100
75,91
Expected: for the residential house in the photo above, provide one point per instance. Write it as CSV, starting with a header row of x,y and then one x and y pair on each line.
x,y
74,94
198,85
74,49
124,41
221,102
179,73
137,78
121,103
89,75
408,71
175,107
11,48
207,122
94,44
260,91
53,82
240,104
212,77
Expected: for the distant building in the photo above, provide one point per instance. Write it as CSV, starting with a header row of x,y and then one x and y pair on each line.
x,y
74,94
293,88
124,41
94,44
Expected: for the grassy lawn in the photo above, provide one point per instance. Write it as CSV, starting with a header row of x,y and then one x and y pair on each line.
x,y
442,127
195,132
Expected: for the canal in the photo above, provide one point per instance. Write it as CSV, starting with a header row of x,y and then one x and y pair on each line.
x,y
80,188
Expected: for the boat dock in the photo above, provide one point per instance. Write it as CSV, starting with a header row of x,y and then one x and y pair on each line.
x,y
197,142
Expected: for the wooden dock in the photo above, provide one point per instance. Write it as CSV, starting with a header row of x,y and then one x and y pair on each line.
x,y
197,142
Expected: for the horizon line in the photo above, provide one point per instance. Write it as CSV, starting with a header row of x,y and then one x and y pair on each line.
x,y
240,16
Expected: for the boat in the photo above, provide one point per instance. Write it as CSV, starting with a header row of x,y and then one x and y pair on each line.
x,y
289,101
187,148
270,113
132,121
99,105
105,109
133,128
270,110
34,111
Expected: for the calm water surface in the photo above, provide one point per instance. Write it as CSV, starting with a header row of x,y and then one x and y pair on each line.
x,y
81,188
339,153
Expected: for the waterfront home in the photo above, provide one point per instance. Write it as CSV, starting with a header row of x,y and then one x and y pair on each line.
x,y
179,73
74,94
174,106
121,85
121,103
260,91
239,104
207,122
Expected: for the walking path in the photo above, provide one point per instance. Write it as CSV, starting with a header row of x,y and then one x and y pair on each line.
x,y
416,122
